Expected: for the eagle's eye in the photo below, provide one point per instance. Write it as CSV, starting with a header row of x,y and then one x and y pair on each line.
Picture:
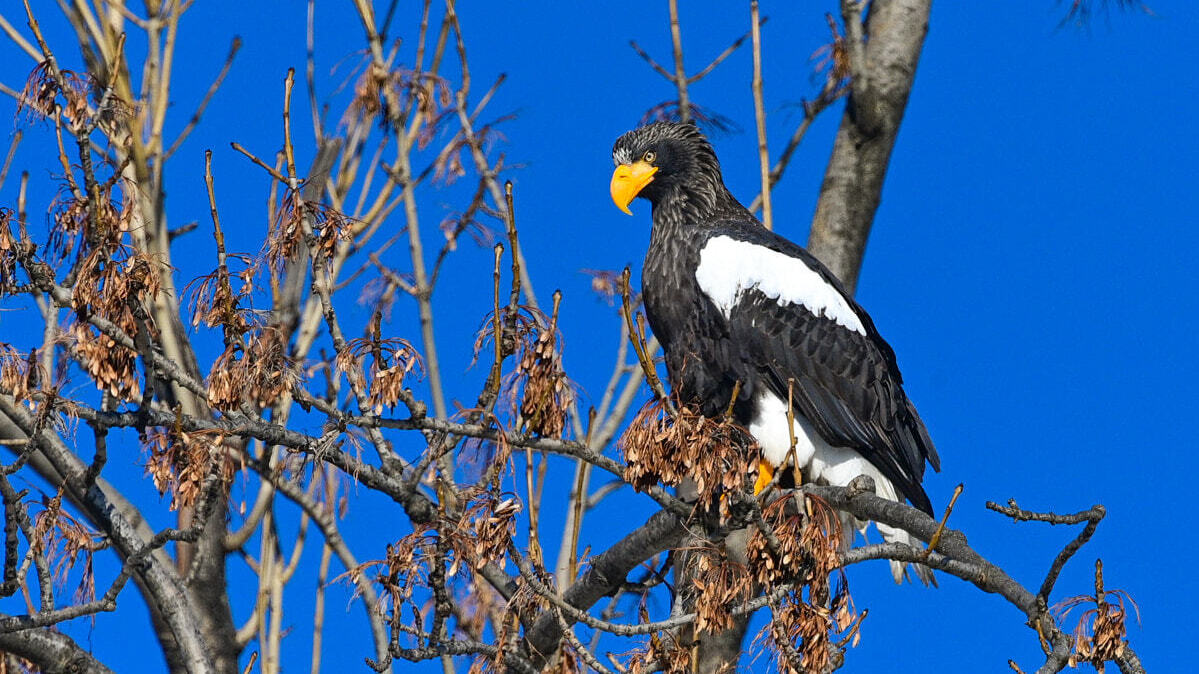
x,y
650,156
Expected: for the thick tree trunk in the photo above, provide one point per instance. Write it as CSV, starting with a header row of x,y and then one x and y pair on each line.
x,y
883,73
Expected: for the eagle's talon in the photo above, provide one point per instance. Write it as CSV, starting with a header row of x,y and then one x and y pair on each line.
x,y
765,475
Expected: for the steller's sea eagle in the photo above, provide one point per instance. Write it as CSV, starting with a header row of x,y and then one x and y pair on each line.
x,y
731,301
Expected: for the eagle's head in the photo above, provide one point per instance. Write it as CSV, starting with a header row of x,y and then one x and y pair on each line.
x,y
665,161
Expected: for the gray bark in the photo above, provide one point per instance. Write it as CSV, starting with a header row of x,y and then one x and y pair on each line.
x,y
853,182
179,628
51,652
662,531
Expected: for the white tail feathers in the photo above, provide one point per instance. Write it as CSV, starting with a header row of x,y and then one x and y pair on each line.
x,y
841,470
899,570
821,463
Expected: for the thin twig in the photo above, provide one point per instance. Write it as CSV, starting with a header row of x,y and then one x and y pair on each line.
x,y
680,73
12,151
724,54
760,117
637,338
932,544
212,89
1092,517
263,165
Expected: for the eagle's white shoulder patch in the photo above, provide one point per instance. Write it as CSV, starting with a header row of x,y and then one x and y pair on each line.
x,y
728,268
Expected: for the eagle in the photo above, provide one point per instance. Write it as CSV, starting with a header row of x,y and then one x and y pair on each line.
x,y
740,310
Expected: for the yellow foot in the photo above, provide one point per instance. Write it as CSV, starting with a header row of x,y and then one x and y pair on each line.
x,y
765,474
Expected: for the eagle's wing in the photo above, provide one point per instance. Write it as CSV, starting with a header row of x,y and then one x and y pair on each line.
x,y
805,337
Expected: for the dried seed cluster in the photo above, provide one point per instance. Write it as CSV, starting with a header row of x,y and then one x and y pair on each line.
x,y
605,283
214,302
403,568
392,359
287,235
804,552
479,536
485,529
42,89
719,456
396,94
662,653
20,374
114,284
800,552
259,373
719,584
67,541
519,327
113,281
832,59
453,225
537,393
1100,635
8,253
180,462
545,393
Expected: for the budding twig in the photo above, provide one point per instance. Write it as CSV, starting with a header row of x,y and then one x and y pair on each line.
x,y
263,165
637,337
936,538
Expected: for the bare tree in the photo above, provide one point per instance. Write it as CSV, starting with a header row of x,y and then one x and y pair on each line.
x,y
453,583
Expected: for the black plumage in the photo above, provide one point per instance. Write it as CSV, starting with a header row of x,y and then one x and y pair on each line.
x,y
843,380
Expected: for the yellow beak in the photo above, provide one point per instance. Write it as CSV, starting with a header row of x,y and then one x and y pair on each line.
x,y
628,180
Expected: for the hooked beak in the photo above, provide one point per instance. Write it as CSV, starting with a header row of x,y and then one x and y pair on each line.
x,y
628,180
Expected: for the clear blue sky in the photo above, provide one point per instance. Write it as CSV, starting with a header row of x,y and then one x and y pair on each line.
x,y
1031,264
